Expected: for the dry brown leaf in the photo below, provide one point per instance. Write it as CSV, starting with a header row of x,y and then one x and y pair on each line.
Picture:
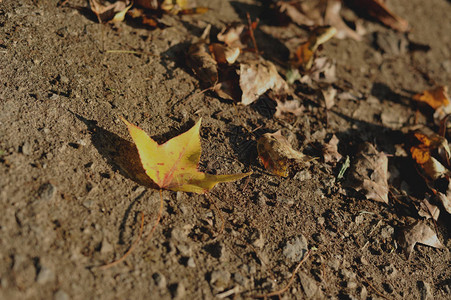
x,y
435,98
330,151
107,11
423,148
329,95
224,54
202,63
234,35
438,99
276,153
257,77
378,10
418,233
432,155
305,53
318,13
332,17
288,107
369,173
323,70
428,210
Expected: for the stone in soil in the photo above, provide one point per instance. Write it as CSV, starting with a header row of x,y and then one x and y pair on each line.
x,y
296,248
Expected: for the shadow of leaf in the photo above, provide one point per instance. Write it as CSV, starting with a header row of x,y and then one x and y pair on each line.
x,y
119,153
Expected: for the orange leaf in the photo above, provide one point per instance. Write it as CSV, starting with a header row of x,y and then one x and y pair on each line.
x,y
174,164
435,98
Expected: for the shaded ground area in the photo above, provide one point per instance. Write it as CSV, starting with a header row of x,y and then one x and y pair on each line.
x,y
72,190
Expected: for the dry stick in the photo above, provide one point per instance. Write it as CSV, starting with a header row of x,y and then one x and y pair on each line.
x,y
158,217
219,213
283,290
251,32
132,247
370,285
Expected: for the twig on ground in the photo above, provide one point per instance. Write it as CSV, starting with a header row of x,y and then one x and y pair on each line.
x,y
283,290
130,250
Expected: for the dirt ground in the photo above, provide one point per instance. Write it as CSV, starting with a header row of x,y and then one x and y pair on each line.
x,y
71,200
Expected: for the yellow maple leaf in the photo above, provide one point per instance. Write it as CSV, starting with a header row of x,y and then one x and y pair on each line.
x,y
174,164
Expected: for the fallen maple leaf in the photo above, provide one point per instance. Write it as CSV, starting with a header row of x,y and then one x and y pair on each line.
x,y
276,153
369,173
418,233
174,164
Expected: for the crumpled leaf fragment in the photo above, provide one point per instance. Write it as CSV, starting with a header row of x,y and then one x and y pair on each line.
x,y
432,155
330,151
369,173
224,54
323,70
318,13
234,35
378,10
173,7
329,95
418,233
428,210
277,155
257,77
109,11
438,99
305,53
287,108
174,164
204,66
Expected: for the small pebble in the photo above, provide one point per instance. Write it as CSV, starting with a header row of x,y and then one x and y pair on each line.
x,y
61,295
425,290
106,247
190,263
45,275
47,191
220,279
26,148
160,280
296,248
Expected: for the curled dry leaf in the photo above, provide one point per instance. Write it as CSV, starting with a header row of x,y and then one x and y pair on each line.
x,y
276,153
109,11
224,54
202,63
378,10
234,35
318,13
323,70
418,233
257,77
428,210
306,52
174,164
288,107
330,151
329,95
369,173
432,156
438,99
332,17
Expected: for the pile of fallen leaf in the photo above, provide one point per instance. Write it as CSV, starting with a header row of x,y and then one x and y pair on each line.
x,y
231,65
